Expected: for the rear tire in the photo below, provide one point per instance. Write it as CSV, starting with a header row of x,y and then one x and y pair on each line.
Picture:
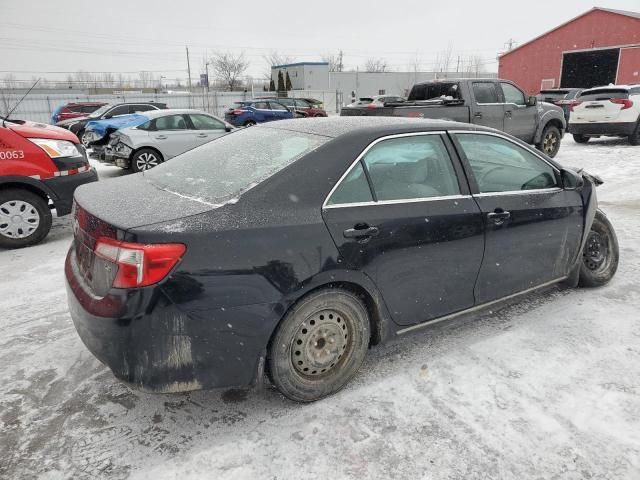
x,y
319,345
634,138
550,141
25,218
145,159
580,138
249,123
600,255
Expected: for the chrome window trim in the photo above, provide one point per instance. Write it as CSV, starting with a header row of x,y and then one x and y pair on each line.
x,y
399,201
384,202
520,192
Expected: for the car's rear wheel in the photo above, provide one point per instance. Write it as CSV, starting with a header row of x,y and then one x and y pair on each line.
x,y
600,254
145,159
550,141
249,123
580,138
319,345
634,138
25,218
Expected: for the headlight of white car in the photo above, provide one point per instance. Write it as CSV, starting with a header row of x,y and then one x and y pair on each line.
x,y
57,148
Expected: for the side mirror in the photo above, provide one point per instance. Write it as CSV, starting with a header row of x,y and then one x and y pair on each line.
x,y
571,180
228,128
532,102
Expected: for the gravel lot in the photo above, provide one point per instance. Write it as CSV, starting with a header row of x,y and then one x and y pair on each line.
x,y
548,388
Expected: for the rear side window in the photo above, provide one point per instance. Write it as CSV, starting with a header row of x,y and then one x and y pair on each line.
x,y
225,168
429,91
501,166
171,122
485,92
277,106
354,188
261,105
204,122
142,108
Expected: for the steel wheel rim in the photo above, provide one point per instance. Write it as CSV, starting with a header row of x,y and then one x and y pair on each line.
x,y
85,139
321,343
550,142
596,255
18,219
145,161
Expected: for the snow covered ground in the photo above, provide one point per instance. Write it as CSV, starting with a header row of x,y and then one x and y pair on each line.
x,y
548,388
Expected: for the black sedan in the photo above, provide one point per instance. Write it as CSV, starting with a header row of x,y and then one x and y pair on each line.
x,y
293,247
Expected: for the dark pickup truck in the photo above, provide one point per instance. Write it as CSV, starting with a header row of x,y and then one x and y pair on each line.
x,y
493,103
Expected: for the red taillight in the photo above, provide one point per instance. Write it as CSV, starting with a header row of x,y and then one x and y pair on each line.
x,y
139,265
373,105
237,111
625,102
574,104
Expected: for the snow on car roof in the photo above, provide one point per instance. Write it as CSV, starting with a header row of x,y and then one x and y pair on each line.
x,y
335,126
151,114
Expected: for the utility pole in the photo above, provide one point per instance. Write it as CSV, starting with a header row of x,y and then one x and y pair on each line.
x,y
510,43
458,65
189,73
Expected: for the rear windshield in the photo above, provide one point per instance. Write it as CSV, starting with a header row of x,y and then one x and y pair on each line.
x,y
221,170
431,91
554,95
604,94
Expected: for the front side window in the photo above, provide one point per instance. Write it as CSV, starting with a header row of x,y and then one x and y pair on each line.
x,y
512,94
499,165
170,122
261,106
485,92
121,110
204,122
277,106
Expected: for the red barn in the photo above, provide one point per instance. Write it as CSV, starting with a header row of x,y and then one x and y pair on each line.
x,y
599,47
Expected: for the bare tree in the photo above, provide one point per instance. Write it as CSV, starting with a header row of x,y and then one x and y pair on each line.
x,y
443,59
273,59
475,65
108,80
335,62
228,68
376,65
84,79
146,79
8,82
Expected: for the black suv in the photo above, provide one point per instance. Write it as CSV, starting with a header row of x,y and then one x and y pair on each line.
x,y
76,125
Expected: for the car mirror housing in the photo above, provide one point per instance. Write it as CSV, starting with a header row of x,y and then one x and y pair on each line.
x,y
532,102
571,180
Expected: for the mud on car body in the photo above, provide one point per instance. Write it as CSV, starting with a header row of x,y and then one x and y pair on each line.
x,y
39,164
292,247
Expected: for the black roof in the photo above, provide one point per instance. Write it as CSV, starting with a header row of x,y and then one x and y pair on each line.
x,y
336,126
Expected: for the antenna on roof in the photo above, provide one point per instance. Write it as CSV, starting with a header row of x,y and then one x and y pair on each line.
x,y
19,102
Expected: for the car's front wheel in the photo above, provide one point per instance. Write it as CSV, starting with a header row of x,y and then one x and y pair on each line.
x,y
249,123
319,345
600,254
580,138
25,218
145,159
550,141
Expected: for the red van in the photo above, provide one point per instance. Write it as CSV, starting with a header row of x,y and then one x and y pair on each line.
x,y
40,168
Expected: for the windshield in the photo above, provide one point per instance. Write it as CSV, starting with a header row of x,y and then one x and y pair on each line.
x,y
220,171
97,113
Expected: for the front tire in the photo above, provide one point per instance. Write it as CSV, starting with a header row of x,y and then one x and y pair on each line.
x,y
249,123
319,345
580,138
600,255
145,159
25,218
550,141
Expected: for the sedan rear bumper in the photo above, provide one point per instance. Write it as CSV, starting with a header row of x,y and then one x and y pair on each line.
x,y
150,344
602,128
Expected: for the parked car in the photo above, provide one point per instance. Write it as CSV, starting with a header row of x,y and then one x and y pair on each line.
x,y
253,112
493,103
376,101
612,111
159,136
293,246
77,125
74,110
39,165
562,97
302,106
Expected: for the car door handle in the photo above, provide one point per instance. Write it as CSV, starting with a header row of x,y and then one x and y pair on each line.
x,y
508,113
202,135
161,137
478,115
498,216
364,231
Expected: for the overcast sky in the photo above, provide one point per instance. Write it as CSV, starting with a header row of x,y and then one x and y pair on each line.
x,y
44,36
